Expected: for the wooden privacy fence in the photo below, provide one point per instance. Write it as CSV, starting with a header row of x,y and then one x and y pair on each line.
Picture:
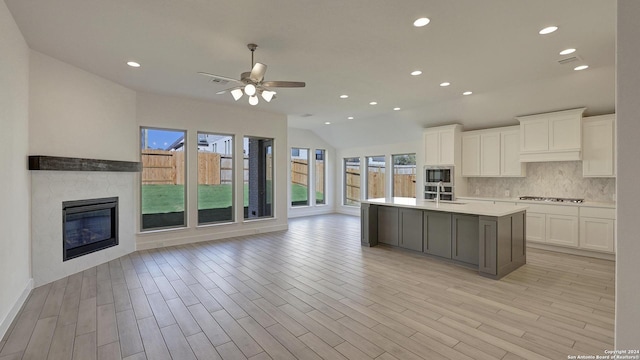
x,y
404,185
404,180
160,167
167,168
300,173
375,181
352,184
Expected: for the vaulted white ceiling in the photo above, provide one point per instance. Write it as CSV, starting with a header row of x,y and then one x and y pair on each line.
x,y
363,48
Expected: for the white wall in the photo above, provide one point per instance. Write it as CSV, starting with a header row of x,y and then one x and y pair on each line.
x,y
307,139
73,113
628,127
192,115
387,150
15,275
78,114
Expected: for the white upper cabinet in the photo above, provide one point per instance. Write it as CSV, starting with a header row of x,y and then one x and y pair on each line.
x,y
470,154
598,146
492,153
510,164
553,136
440,144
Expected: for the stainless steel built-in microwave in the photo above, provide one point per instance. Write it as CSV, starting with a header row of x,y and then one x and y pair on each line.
x,y
436,174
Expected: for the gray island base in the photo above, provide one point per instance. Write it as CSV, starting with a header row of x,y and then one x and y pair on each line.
x,y
487,237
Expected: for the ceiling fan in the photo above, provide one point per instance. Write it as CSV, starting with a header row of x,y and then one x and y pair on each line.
x,y
252,82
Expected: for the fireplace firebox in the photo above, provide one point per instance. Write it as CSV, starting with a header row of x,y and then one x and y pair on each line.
x,y
88,226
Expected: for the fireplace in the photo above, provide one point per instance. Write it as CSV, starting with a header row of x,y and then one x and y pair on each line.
x,y
88,226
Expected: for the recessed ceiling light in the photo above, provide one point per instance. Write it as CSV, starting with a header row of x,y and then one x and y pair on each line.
x,y
421,22
567,51
373,103
445,84
133,64
467,93
350,118
344,96
416,73
327,123
548,30
396,108
581,67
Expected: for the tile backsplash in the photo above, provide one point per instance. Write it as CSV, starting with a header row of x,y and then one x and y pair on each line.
x,y
549,179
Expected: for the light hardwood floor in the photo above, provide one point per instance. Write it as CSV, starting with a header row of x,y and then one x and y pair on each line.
x,y
313,292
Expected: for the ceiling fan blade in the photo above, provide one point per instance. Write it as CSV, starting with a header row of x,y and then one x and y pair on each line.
x,y
284,84
220,79
228,90
257,73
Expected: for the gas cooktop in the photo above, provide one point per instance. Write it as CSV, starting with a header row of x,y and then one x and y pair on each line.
x,y
552,199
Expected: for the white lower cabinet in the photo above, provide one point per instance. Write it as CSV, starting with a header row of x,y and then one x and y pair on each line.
x,y
562,230
597,229
596,234
585,228
536,229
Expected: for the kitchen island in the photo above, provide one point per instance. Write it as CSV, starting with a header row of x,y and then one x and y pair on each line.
x,y
489,237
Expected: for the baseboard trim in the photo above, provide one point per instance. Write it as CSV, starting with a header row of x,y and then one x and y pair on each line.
x,y
15,309
348,210
309,211
208,237
578,252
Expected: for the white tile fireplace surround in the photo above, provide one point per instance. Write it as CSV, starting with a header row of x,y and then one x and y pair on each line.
x,y
48,190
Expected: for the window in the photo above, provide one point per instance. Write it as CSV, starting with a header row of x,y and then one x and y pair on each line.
x,y
352,181
320,176
163,178
258,177
215,179
404,175
375,176
299,177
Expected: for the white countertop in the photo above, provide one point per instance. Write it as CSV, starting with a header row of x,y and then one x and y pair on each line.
x,y
611,205
453,207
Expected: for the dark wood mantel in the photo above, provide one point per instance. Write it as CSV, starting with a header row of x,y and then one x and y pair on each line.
x,y
56,163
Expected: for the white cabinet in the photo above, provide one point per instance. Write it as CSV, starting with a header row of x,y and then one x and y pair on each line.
x,y
470,154
597,229
431,148
441,144
492,152
510,164
536,227
553,136
562,230
596,234
552,224
580,227
598,146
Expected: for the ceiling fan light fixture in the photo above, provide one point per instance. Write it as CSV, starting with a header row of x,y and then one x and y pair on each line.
x,y
267,95
250,89
253,100
236,93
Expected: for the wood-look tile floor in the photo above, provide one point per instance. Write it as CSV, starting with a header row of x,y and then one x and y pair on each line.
x,y
313,292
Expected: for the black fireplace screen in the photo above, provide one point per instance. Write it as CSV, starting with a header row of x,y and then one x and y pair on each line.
x,y
88,226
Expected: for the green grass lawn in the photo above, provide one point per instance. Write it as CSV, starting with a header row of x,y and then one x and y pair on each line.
x,y
170,198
